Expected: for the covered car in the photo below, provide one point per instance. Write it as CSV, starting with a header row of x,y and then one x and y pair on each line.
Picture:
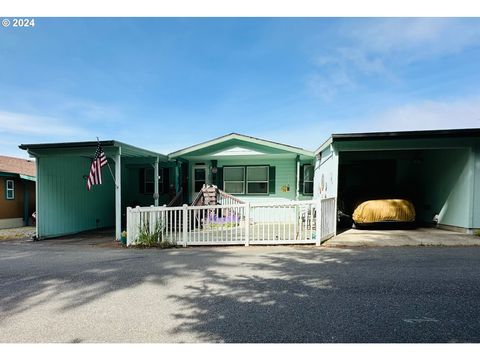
x,y
384,211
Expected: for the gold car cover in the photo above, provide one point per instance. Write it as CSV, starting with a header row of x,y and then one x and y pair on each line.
x,y
374,211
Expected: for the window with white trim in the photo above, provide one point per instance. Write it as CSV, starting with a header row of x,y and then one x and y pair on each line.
x,y
257,179
308,172
251,180
10,190
234,180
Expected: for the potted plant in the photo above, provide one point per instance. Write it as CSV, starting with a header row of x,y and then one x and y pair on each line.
x,y
123,238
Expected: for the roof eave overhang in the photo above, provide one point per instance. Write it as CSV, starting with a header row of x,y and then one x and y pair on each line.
x,y
124,149
417,134
324,145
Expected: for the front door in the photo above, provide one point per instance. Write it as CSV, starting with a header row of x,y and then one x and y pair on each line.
x,y
199,178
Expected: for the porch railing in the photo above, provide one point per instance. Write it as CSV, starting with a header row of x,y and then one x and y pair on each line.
x,y
295,222
196,201
177,200
212,192
224,198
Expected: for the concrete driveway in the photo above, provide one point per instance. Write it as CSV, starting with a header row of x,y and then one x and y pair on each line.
x,y
53,292
413,237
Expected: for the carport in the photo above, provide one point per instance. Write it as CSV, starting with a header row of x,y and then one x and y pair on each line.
x,y
65,206
439,171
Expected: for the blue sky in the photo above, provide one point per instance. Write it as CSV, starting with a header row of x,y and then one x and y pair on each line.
x,y
167,83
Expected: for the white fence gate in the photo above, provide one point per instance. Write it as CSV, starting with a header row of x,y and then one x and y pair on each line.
x,y
295,222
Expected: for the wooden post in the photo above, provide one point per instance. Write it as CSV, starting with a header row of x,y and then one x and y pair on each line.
x,y
118,195
26,209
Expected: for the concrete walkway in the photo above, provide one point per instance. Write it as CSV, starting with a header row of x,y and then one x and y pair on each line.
x,y
417,237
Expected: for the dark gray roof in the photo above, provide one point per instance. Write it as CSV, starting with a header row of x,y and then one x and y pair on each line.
x,y
417,134
127,150
409,134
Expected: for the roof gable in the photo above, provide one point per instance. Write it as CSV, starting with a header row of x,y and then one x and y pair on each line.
x,y
239,145
238,151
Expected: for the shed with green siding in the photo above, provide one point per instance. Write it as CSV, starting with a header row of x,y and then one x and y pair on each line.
x,y
249,168
65,206
439,171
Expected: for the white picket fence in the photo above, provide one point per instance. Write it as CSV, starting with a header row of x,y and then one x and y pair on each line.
x,y
295,222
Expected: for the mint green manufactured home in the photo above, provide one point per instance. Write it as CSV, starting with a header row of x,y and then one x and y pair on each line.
x,y
439,171
65,206
249,168
252,169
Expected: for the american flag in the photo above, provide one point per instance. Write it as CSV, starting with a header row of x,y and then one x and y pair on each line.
x,y
99,160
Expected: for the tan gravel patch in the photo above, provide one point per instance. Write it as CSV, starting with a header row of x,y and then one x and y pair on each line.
x,y
25,232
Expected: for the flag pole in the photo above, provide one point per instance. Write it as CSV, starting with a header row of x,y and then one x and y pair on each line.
x,y
109,168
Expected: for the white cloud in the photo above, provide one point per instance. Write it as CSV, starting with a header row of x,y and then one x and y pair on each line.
x,y
424,36
327,85
372,48
25,124
426,115
88,110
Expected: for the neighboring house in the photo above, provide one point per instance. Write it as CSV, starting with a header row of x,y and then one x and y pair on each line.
x,y
17,188
439,171
249,168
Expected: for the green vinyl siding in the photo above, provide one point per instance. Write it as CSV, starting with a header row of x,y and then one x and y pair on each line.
x,y
65,206
476,188
448,187
285,174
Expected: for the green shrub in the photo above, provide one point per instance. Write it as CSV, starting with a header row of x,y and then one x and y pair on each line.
x,y
147,238
152,239
476,233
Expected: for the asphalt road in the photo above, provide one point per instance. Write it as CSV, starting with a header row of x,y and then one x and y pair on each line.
x,y
77,293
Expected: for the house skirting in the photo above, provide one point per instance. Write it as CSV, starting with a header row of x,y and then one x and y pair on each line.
x,y
11,223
